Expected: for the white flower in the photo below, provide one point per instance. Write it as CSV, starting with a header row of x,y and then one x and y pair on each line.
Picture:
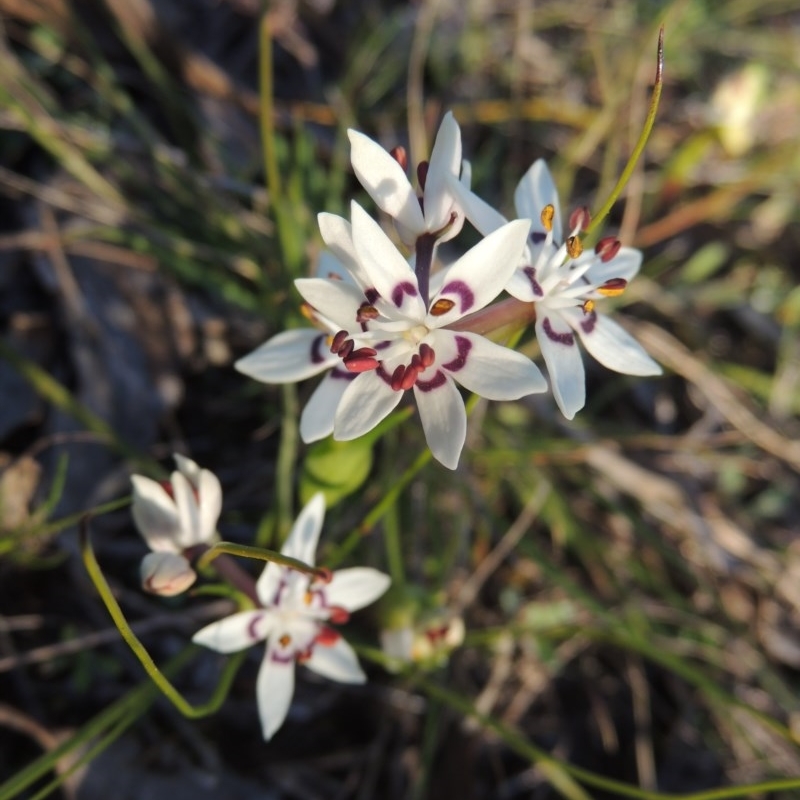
x,y
564,283
436,212
293,620
166,574
178,514
397,340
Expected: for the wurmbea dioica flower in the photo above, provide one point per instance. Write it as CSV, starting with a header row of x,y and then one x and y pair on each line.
x,y
294,620
174,516
565,282
396,336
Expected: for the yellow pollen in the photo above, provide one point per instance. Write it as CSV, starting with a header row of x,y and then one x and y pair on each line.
x,y
285,640
574,246
308,312
613,287
548,212
441,307
308,598
588,306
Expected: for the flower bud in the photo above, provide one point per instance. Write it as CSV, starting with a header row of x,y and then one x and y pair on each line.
x,y
166,574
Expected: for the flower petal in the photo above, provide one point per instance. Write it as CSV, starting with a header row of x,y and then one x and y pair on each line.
x,y
615,348
385,181
316,421
366,402
304,535
481,273
337,300
338,236
355,588
564,362
188,511
288,357
166,574
445,161
209,497
155,515
625,265
483,217
188,468
337,662
233,633
493,371
444,421
535,190
382,261
274,691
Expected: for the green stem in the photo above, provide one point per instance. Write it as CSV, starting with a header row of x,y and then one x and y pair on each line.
x,y
287,458
259,554
139,650
599,215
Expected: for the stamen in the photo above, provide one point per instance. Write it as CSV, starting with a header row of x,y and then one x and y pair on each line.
x,y
580,218
548,212
410,377
422,173
339,615
426,354
400,156
396,381
362,360
588,306
338,340
574,246
366,312
613,287
441,307
285,640
327,637
607,248
346,350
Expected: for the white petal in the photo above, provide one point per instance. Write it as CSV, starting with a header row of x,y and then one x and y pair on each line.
x,y
274,691
155,515
188,511
302,540
564,363
445,161
519,285
481,273
355,588
485,218
337,662
615,348
625,264
533,193
338,236
236,632
288,357
209,494
188,468
337,300
366,402
491,370
385,181
316,421
384,264
444,421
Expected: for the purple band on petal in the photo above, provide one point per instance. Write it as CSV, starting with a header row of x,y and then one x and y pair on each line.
x,y
560,338
251,628
434,383
282,659
530,274
343,374
589,321
537,237
406,287
464,346
464,293
316,349
383,374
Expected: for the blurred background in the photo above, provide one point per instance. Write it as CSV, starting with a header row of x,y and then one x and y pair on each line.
x,y
629,581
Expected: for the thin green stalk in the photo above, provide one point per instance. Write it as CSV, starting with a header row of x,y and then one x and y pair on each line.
x,y
600,215
157,676
258,554
287,459
394,549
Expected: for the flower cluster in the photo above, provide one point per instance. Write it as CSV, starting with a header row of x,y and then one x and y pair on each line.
x,y
386,324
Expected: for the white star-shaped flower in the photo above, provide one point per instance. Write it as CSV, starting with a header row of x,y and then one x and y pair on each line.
x,y
174,516
294,620
398,340
565,283
436,212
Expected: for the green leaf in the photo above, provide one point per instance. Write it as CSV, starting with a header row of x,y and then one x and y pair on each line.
x,y
337,469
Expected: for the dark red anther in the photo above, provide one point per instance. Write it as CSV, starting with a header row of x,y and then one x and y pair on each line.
x,y
580,218
339,615
167,487
366,312
396,381
400,156
410,378
323,575
422,174
362,360
338,340
607,248
346,349
426,354
327,637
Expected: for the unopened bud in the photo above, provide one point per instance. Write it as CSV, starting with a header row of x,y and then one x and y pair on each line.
x,y
166,574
